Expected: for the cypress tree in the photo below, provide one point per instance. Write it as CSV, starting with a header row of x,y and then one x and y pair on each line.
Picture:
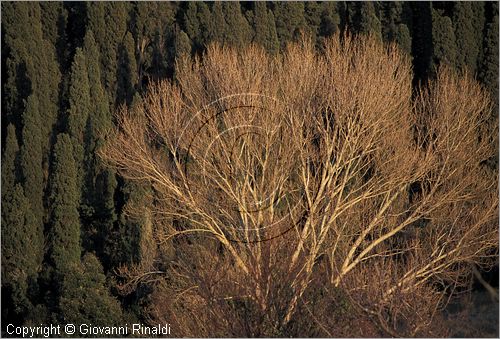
x,y
31,68
219,27
32,176
238,32
10,174
366,20
443,38
85,298
395,18
207,26
312,15
99,120
265,28
64,200
489,65
105,216
127,70
108,22
182,44
19,236
191,23
78,113
98,208
290,21
54,20
182,49
100,114
151,29
468,20
330,19
403,38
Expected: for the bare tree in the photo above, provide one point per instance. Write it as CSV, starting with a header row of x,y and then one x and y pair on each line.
x,y
273,175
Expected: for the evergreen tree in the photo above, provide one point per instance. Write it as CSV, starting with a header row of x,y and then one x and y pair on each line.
x,y
182,44
330,19
443,38
207,26
98,211
219,27
108,22
19,236
265,28
31,68
312,15
403,38
32,176
54,20
80,106
99,120
363,18
489,66
100,114
151,29
64,197
468,20
105,216
191,23
238,32
10,173
127,75
395,17
85,298
290,21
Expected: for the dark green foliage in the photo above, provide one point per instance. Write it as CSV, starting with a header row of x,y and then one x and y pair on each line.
x,y
290,21
100,118
362,17
64,200
122,242
31,67
396,19
85,298
20,234
237,31
54,20
127,75
104,215
489,67
191,23
443,38
182,49
403,38
10,159
265,28
151,24
330,19
32,174
468,20
78,113
220,25
108,22
369,22
182,44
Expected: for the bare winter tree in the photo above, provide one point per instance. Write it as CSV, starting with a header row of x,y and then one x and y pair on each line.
x,y
277,178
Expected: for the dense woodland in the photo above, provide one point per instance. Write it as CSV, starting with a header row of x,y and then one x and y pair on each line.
x,y
67,67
